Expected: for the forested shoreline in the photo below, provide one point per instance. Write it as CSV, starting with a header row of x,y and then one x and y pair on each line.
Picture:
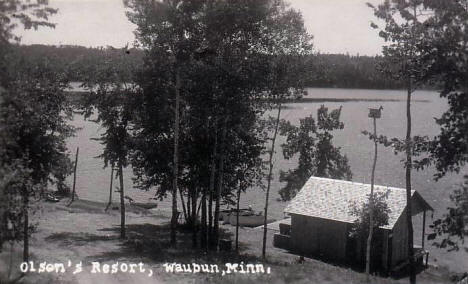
x,y
324,70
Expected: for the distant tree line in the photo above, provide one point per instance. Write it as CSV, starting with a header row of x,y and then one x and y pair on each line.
x,y
324,70
77,61
348,71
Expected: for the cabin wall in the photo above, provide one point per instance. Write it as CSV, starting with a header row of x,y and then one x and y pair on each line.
x,y
400,240
319,237
385,249
3,221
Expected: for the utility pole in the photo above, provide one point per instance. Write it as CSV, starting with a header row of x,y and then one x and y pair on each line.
x,y
374,114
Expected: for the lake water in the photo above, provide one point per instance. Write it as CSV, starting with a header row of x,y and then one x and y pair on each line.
x,y
93,180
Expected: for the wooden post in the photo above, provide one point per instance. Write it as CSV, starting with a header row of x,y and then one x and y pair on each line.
x,y
74,176
423,229
374,114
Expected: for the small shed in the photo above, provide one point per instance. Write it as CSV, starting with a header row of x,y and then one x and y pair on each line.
x,y
321,221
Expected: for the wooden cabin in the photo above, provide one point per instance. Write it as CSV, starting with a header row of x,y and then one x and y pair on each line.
x,y
321,221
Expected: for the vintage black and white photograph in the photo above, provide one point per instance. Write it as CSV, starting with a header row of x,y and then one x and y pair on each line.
x,y
233,141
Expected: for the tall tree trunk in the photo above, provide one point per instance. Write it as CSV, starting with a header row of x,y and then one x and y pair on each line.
x,y
182,201
110,187
3,221
237,217
219,188
26,226
122,202
211,189
189,202
10,264
175,160
210,220
74,176
409,165
204,228
203,236
270,172
409,155
194,218
371,205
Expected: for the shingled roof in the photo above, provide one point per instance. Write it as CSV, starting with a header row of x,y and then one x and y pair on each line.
x,y
333,199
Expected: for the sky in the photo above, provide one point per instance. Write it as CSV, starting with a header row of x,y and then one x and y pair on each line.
x,y
338,26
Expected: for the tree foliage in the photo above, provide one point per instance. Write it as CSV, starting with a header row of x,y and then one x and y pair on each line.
x,y
19,13
434,39
231,58
447,42
312,140
108,101
404,31
33,121
14,178
28,13
111,92
360,229
453,226
34,112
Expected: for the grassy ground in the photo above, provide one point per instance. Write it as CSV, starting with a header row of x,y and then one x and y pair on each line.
x,y
85,233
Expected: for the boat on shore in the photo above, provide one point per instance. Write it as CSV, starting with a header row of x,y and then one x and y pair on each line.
x,y
224,215
145,205
248,218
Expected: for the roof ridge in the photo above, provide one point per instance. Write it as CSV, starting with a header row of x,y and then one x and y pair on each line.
x,y
359,183
331,199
